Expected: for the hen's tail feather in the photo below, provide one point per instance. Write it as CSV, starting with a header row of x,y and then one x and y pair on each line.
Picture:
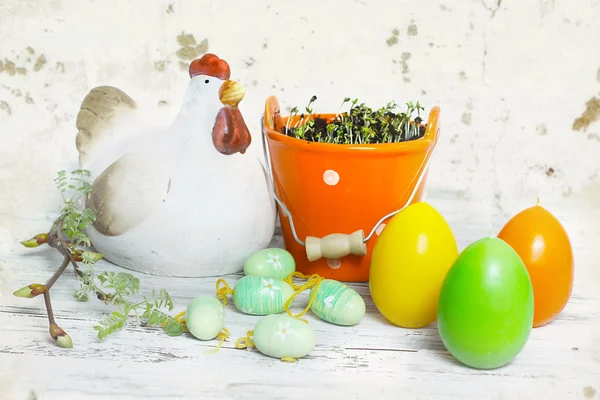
x,y
98,113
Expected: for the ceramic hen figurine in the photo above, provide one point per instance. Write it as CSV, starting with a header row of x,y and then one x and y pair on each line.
x,y
186,200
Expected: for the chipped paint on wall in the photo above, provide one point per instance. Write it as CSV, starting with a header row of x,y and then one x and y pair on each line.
x,y
404,62
10,67
589,392
465,118
6,107
430,62
589,116
412,29
393,40
160,65
542,129
39,63
13,68
190,50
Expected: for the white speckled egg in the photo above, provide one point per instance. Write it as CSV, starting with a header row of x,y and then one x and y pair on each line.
x,y
204,317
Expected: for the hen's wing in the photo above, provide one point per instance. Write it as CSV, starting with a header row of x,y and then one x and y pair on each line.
x,y
100,112
128,192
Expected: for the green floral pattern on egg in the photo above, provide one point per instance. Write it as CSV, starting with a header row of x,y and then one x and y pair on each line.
x,y
261,295
338,303
283,336
274,262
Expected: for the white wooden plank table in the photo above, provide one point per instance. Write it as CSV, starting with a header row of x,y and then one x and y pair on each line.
x,y
373,360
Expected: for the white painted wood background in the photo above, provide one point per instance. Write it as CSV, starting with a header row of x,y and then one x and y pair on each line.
x,y
511,78
372,360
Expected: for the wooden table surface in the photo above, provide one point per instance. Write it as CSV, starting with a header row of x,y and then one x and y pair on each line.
x,y
372,360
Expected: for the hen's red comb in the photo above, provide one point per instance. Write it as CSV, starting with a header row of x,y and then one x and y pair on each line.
x,y
210,65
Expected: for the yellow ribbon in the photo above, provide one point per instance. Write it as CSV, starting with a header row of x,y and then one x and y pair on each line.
x,y
223,291
245,341
312,281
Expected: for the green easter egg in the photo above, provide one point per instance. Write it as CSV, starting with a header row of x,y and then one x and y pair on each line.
x,y
275,262
485,308
338,303
280,335
261,295
204,317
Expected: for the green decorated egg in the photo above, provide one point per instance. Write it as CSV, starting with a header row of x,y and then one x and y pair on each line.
x,y
338,303
204,317
261,295
280,335
275,262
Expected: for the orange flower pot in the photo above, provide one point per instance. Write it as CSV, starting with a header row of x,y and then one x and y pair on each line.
x,y
337,188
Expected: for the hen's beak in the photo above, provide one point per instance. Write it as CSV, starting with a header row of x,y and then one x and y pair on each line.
x,y
231,93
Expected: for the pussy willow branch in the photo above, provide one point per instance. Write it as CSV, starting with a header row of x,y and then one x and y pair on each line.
x,y
57,274
56,332
55,242
58,240
49,308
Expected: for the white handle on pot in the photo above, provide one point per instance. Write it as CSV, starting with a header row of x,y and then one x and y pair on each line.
x,y
337,245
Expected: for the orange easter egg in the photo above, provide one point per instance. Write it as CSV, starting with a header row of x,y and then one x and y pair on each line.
x,y
544,247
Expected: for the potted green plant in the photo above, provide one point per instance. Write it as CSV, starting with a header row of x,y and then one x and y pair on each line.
x,y
338,178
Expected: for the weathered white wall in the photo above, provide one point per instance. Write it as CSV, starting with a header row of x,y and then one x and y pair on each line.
x,y
511,77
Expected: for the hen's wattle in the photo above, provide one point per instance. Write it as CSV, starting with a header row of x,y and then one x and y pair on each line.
x,y
230,133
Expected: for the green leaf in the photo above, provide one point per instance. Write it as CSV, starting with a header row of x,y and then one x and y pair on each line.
x,y
82,294
88,214
153,318
106,278
156,318
81,172
168,300
147,313
90,257
173,328
112,323
126,284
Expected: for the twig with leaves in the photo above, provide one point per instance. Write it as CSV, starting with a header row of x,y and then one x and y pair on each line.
x,y
67,236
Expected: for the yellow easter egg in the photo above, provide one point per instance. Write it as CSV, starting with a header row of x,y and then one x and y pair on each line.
x,y
410,260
